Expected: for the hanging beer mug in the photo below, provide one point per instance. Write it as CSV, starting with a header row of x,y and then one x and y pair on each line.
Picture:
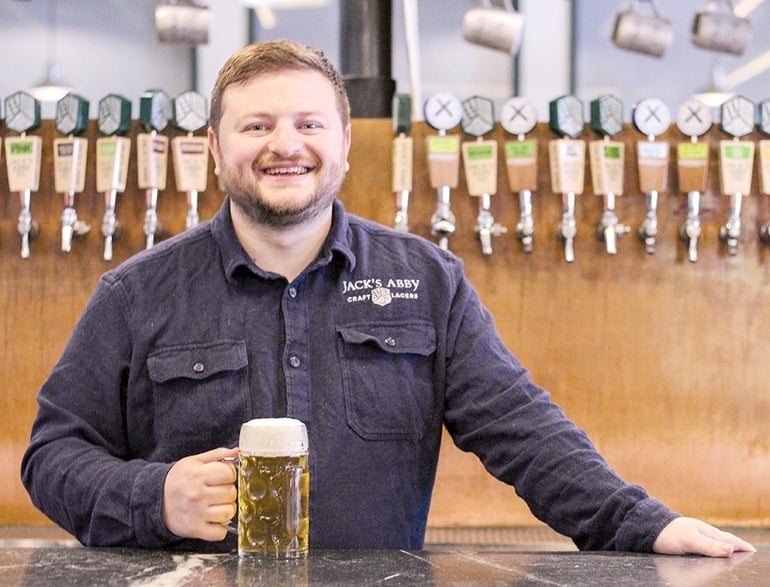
x,y
716,27
642,30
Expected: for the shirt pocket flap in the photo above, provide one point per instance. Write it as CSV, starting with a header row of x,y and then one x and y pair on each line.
x,y
196,361
398,338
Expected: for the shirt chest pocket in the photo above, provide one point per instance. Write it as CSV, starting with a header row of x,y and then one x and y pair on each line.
x,y
387,378
200,393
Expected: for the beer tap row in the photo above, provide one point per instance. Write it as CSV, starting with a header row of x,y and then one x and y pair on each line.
x,y
23,157
567,163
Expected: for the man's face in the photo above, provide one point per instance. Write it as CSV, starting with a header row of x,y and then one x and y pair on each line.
x,y
281,150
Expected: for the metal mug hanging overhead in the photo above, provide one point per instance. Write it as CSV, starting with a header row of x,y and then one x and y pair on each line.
x,y
717,27
642,31
495,28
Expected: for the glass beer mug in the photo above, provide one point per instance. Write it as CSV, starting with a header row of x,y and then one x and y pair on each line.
x,y
273,489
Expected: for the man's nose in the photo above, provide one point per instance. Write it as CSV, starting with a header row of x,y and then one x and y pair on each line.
x,y
285,140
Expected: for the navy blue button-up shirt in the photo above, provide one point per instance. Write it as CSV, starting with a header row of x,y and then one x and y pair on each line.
x,y
376,346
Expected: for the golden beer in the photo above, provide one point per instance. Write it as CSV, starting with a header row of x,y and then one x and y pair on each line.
x,y
273,501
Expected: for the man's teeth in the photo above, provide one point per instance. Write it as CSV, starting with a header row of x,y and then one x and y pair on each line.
x,y
286,171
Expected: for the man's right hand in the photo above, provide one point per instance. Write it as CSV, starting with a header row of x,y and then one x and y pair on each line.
x,y
199,495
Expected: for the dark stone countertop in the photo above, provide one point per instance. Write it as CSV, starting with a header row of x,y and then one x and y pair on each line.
x,y
62,566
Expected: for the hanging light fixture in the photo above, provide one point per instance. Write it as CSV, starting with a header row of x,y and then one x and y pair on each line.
x,y
52,88
182,21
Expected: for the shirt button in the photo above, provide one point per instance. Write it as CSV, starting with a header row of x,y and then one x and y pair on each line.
x,y
390,341
294,361
199,367
293,292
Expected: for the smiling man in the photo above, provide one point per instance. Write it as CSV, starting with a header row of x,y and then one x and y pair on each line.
x,y
286,305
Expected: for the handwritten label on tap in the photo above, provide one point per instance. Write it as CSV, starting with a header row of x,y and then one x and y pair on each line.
x,y
607,159
22,159
521,163
652,161
402,164
692,166
480,164
191,163
567,158
444,160
69,157
112,155
764,165
736,162
152,160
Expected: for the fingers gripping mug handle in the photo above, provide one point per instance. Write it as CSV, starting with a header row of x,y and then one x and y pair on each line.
x,y
236,463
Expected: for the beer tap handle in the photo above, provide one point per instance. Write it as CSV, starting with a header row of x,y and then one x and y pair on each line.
x,y
112,155
480,163
23,158
651,117
70,163
152,156
736,163
567,163
402,159
693,119
518,117
443,111
190,152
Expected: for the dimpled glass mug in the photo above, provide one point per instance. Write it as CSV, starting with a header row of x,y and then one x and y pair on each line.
x,y
273,489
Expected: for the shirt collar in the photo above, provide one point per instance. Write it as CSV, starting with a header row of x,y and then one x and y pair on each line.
x,y
235,259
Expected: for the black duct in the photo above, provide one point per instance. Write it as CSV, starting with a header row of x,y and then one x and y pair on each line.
x,y
365,56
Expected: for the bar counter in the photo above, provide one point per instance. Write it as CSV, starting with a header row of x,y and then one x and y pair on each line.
x,y
75,565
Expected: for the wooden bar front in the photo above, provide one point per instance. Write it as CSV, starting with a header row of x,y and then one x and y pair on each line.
x,y
662,361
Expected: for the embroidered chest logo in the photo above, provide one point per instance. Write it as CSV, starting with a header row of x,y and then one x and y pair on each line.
x,y
380,292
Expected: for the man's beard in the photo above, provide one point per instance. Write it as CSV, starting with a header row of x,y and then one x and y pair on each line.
x,y
248,197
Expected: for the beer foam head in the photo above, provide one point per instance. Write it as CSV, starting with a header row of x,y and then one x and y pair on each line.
x,y
273,437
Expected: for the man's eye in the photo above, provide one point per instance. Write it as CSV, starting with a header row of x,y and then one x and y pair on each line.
x,y
311,125
256,127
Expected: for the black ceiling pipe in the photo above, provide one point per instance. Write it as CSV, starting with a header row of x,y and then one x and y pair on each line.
x,y
365,56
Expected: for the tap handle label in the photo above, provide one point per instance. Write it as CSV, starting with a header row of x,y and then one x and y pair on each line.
x,y
114,115
152,160
402,164
22,159
518,116
736,162
692,166
607,161
402,114
154,110
694,118
190,111
71,115
191,163
567,159
764,116
443,160
566,116
480,164
652,161
764,165
737,116
443,111
478,116
22,112
69,155
112,155
607,115
521,164
651,117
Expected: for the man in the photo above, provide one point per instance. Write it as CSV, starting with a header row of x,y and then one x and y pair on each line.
x,y
257,314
